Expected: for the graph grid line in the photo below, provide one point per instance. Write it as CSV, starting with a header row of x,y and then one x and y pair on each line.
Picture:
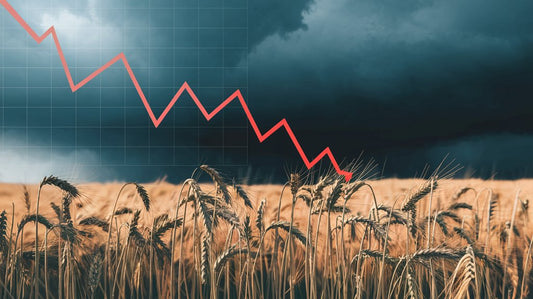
x,y
184,88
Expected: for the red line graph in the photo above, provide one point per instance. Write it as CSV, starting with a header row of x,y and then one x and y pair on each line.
x,y
184,88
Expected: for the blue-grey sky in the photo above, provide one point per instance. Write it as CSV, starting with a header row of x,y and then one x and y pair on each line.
x,y
406,82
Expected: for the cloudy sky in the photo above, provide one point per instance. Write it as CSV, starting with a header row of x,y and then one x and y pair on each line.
x,y
405,82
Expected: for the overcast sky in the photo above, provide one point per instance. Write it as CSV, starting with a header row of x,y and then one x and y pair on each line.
x,y
407,82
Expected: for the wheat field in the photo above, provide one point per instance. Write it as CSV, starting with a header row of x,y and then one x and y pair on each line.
x,y
310,238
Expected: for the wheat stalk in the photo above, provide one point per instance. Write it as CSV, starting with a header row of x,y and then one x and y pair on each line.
x,y
27,200
95,273
134,233
61,184
123,211
243,194
144,196
205,258
410,205
4,244
260,214
34,218
223,258
295,183
96,222
377,255
219,180
464,274
284,225
435,253
411,283
379,230
460,193
460,205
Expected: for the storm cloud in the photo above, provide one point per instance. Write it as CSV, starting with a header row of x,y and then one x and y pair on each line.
x,y
406,82
397,79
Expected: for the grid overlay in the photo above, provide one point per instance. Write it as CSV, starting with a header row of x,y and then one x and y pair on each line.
x,y
58,121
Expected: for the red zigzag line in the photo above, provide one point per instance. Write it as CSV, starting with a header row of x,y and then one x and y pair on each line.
x,y
185,87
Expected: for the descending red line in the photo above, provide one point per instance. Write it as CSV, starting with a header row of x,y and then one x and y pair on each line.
x,y
184,87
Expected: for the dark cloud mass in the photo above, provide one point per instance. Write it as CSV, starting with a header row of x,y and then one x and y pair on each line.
x,y
402,80
407,82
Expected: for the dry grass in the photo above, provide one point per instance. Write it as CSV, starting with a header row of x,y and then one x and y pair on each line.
x,y
329,239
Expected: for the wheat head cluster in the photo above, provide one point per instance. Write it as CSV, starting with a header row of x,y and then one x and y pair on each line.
x,y
313,237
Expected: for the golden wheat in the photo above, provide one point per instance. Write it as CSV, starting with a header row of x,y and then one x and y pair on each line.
x,y
373,241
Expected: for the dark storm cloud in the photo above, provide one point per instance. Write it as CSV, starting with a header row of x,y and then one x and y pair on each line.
x,y
407,81
396,79
380,50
